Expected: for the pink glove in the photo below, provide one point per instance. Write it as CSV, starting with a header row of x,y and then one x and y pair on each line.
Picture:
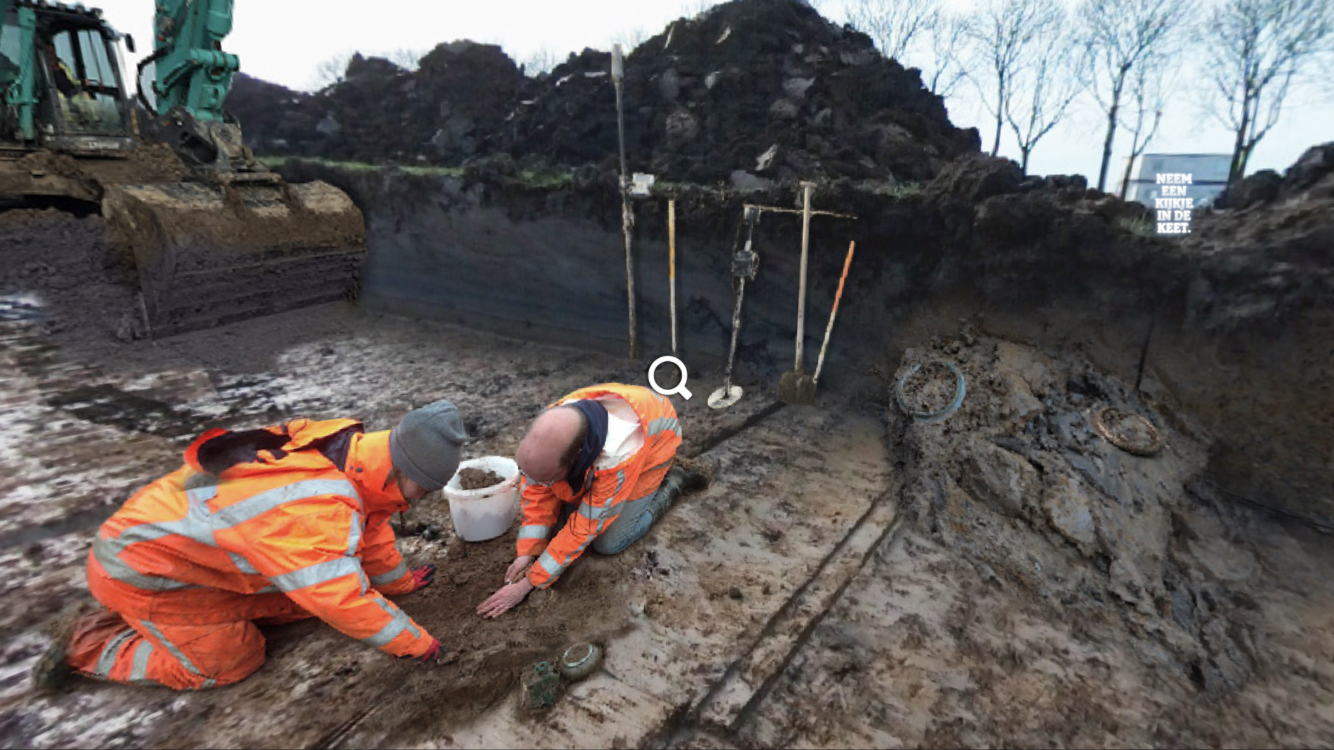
x,y
432,655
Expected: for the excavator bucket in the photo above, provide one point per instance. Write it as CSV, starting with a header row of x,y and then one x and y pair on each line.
x,y
213,253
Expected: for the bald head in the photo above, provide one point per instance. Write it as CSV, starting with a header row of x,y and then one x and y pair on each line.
x,y
548,451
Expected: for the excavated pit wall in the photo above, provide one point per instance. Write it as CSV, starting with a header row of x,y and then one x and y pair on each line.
x,y
1238,353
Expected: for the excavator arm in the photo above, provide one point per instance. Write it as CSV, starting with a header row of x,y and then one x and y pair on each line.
x,y
193,72
192,76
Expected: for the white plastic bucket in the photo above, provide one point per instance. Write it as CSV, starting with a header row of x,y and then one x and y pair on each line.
x,y
487,513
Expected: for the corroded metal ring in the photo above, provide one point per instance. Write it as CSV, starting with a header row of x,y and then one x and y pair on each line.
x,y
580,660
1139,448
960,390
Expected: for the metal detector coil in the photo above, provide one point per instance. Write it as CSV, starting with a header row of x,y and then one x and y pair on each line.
x,y
745,263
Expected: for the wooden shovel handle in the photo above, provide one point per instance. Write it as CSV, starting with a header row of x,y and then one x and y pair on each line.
x,y
846,264
819,364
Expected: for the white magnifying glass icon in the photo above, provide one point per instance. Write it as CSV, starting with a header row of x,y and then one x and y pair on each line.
x,y
680,388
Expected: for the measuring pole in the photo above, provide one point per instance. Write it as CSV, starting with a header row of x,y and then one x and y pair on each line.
x,y
805,245
671,263
627,219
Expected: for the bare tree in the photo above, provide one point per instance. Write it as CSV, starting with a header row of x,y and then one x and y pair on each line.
x,y
945,39
1119,35
1257,50
408,59
892,24
630,39
1043,91
1148,98
697,8
540,62
331,71
1004,35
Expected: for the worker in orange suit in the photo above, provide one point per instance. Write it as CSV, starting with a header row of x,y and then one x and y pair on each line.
x,y
598,464
260,527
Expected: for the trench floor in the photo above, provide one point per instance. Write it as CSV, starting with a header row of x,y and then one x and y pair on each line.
x,y
698,615
789,604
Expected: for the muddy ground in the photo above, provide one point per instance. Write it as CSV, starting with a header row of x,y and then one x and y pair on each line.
x,y
851,578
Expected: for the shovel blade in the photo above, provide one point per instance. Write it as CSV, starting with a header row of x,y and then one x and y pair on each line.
x,y
796,388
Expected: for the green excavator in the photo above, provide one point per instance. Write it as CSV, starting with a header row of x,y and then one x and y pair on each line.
x,y
215,236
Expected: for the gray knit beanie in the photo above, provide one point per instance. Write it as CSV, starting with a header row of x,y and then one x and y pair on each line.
x,y
426,444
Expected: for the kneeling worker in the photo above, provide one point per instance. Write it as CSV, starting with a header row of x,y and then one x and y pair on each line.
x,y
263,526
607,450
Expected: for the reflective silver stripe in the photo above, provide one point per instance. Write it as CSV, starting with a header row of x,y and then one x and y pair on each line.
x,y
663,423
176,653
398,572
550,565
535,532
270,589
390,609
201,525
391,630
663,465
316,574
105,551
354,535
141,654
197,525
243,564
600,516
257,505
592,512
107,659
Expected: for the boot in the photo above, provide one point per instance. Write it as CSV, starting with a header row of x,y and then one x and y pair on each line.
x,y
52,672
685,476
695,474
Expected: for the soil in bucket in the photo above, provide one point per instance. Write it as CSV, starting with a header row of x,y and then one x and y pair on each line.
x,y
476,479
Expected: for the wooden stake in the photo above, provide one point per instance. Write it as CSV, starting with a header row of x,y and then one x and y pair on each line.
x,y
627,217
671,263
805,247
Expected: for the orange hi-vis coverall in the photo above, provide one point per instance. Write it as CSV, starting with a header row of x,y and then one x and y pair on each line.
x,y
273,531
608,491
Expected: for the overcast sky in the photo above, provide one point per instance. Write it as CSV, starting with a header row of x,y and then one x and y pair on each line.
x,y
285,40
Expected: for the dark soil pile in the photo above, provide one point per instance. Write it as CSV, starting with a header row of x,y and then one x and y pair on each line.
x,y
755,88
275,119
478,479
447,110
1313,171
750,91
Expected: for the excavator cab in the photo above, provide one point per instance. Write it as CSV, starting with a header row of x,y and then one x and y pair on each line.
x,y
61,82
84,91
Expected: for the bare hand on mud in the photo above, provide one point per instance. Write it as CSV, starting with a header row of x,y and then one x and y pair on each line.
x,y
505,599
518,568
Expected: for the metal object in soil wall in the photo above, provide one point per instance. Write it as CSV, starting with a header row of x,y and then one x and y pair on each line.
x,y
540,687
